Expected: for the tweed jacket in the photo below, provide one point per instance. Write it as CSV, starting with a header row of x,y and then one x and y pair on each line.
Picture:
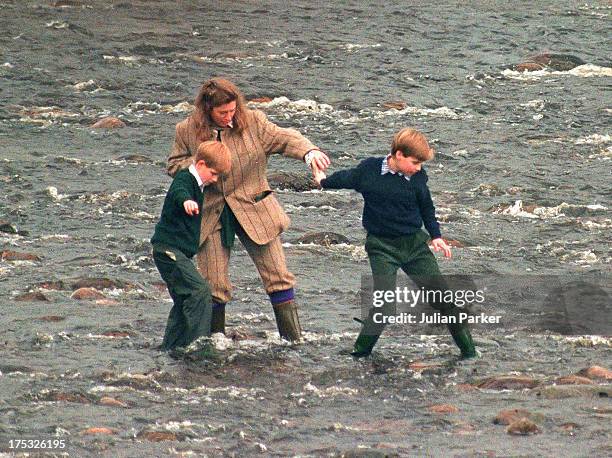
x,y
245,189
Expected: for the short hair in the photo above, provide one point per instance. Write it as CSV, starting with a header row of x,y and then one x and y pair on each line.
x,y
412,143
216,156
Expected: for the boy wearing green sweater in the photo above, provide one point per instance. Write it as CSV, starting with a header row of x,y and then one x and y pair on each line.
x,y
176,241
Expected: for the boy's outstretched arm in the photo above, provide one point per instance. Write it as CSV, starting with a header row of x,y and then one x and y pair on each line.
x,y
343,179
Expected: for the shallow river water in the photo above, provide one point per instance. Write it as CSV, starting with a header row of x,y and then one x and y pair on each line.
x,y
521,182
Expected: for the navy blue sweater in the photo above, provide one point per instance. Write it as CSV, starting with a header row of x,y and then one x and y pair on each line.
x,y
393,206
175,227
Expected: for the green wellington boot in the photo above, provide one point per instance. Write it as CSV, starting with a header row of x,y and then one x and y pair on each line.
x,y
363,345
217,322
287,321
462,337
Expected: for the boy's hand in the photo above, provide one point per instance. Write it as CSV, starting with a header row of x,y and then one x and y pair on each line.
x,y
439,244
191,207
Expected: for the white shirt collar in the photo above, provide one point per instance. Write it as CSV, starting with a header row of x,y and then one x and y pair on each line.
x,y
194,172
386,169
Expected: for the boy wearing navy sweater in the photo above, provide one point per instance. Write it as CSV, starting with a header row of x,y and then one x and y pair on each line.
x,y
397,203
176,241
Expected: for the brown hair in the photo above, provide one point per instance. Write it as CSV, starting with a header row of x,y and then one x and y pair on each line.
x,y
216,156
213,93
412,143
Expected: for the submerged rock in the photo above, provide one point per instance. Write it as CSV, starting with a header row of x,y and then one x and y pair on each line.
x,y
508,382
323,238
573,380
596,372
157,436
112,402
99,283
56,285
523,427
137,158
395,105
109,122
117,334
9,255
32,296
509,416
293,181
7,227
554,61
87,294
575,391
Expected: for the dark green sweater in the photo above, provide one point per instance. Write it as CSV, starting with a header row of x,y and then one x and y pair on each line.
x,y
175,227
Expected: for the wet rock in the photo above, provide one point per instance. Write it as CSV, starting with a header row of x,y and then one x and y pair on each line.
x,y
509,416
52,318
293,181
157,436
395,105
7,227
573,380
87,294
528,67
56,285
137,158
118,334
522,427
112,402
9,368
261,100
98,430
554,61
575,391
9,255
443,408
98,283
109,122
596,372
106,302
323,238
32,296
509,382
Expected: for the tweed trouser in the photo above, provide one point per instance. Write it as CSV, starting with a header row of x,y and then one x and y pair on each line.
x,y
190,316
411,254
213,264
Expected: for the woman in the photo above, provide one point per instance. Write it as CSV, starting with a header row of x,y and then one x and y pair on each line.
x,y
242,203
